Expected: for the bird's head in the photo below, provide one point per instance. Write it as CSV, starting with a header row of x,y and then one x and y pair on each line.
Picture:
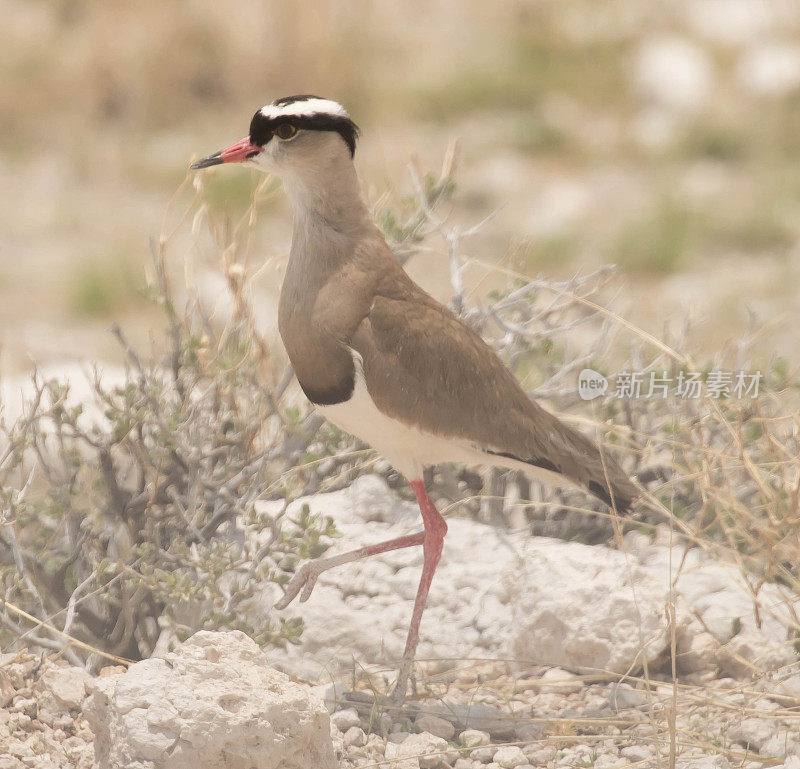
x,y
292,135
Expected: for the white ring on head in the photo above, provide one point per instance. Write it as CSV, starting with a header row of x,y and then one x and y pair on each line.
x,y
304,109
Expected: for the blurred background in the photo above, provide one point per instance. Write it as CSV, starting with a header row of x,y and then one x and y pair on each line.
x,y
662,137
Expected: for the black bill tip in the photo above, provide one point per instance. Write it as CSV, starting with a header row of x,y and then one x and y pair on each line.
x,y
211,160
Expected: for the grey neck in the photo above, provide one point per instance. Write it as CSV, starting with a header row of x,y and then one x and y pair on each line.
x,y
327,204
331,222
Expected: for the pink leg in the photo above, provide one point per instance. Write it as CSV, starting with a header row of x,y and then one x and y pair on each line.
x,y
431,539
435,529
307,574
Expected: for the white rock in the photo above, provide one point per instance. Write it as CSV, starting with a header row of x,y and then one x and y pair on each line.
x,y
355,736
560,682
439,727
716,592
752,732
473,738
585,596
771,69
622,696
609,761
673,73
67,684
538,755
750,652
426,749
578,606
484,755
782,744
331,694
697,653
636,753
345,719
399,758
215,701
510,756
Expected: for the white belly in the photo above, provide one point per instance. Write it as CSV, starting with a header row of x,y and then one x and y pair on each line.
x,y
408,448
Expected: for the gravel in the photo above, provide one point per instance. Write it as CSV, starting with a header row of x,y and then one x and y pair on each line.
x,y
43,726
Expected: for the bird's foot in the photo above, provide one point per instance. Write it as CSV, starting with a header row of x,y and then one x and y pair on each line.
x,y
302,582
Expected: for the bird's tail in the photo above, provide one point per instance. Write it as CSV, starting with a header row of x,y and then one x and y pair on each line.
x,y
569,455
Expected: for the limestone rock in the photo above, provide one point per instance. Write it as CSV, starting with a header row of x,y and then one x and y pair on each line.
x,y
345,719
697,653
214,702
510,756
752,733
427,750
492,608
622,696
749,652
578,607
355,737
67,684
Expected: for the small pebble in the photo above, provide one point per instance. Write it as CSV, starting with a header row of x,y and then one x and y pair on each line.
x,y
510,756
637,753
24,705
474,738
19,721
560,682
537,755
355,737
435,725
484,755
624,696
345,719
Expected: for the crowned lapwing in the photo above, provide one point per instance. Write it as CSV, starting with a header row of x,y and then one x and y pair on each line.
x,y
382,359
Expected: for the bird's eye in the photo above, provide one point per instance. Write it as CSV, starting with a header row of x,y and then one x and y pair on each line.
x,y
285,131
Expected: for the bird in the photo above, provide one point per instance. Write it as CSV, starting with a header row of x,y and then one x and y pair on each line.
x,y
382,359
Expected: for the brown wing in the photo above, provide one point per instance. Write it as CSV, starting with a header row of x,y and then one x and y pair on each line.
x,y
423,365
